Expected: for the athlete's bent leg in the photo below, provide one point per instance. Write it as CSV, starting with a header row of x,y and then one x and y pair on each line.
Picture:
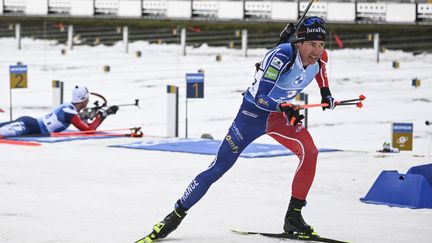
x,y
298,140
246,127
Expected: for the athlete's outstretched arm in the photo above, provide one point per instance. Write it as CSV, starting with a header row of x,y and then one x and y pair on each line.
x,y
82,126
323,83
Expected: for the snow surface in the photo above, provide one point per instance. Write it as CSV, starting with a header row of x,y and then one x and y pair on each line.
x,y
84,191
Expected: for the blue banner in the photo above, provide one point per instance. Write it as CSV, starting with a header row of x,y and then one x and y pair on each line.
x,y
21,69
403,127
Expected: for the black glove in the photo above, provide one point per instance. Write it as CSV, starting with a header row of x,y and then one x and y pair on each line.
x,y
103,113
326,97
292,114
286,34
112,110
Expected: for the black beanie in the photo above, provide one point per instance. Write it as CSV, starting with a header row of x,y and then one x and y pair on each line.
x,y
312,28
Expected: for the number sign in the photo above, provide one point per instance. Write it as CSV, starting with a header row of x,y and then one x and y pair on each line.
x,y
18,76
195,85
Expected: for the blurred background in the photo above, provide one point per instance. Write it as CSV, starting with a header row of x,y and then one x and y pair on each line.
x,y
401,24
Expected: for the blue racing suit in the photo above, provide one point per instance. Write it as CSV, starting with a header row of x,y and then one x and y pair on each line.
x,y
276,81
56,121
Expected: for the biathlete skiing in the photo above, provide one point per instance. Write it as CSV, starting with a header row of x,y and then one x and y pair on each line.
x,y
283,73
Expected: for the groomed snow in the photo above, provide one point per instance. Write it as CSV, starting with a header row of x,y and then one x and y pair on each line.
x,y
84,191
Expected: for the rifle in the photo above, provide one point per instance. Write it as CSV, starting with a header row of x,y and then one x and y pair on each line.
x,y
290,29
89,114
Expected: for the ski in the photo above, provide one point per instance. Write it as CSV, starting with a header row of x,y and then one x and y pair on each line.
x,y
295,236
146,239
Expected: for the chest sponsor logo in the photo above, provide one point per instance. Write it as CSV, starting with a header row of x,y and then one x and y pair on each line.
x,y
299,79
277,63
271,73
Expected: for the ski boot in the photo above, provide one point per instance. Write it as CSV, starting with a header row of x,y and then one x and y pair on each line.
x,y
165,227
294,222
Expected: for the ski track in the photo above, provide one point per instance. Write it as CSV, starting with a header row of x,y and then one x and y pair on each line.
x,y
86,192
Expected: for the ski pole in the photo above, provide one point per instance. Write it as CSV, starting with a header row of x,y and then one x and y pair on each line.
x,y
338,103
300,107
360,98
359,104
